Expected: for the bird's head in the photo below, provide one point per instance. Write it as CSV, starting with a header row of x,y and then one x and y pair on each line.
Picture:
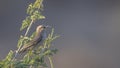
x,y
40,28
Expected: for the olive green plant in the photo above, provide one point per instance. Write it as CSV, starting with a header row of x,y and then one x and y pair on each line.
x,y
39,57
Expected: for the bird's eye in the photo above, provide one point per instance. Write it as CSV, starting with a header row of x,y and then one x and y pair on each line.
x,y
44,27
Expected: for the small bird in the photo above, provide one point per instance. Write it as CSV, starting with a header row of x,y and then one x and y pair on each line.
x,y
37,39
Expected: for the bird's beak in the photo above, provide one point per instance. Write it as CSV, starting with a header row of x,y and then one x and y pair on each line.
x,y
47,26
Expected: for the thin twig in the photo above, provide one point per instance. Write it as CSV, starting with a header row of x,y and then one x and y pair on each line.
x,y
24,36
50,60
28,28
30,66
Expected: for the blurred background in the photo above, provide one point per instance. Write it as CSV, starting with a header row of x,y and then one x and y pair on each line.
x,y
89,30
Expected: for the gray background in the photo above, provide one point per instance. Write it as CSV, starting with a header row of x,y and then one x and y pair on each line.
x,y
89,30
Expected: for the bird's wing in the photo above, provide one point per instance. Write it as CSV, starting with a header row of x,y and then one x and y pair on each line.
x,y
32,43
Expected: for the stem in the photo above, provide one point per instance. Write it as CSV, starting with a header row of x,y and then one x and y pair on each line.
x,y
30,66
24,36
50,60
26,32
28,28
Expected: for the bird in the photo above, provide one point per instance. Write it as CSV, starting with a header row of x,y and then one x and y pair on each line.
x,y
36,40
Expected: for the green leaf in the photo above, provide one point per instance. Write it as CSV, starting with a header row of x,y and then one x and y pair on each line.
x,y
30,9
55,37
41,17
37,15
9,56
25,23
23,40
38,4
54,51
26,58
33,35
52,32
50,38
1,63
20,64
20,41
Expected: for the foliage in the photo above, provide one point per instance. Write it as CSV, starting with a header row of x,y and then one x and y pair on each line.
x,y
33,58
